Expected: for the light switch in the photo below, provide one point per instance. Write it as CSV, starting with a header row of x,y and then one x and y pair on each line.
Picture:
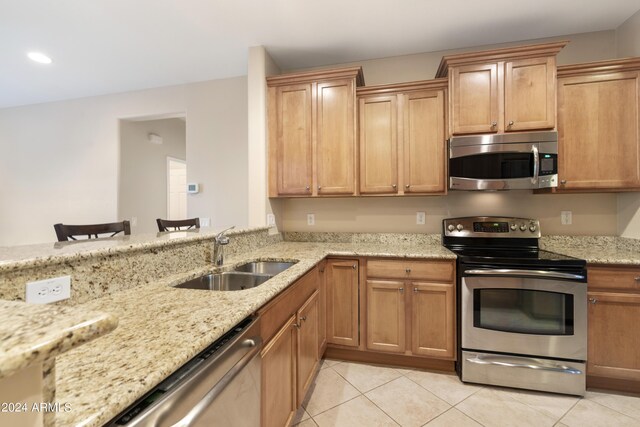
x,y
205,222
420,218
271,220
566,217
311,219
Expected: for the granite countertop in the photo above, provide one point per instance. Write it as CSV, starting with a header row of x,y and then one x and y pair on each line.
x,y
31,333
595,249
162,327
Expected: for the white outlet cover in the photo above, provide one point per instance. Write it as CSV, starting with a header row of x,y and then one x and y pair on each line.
x,y
420,218
311,219
271,220
134,221
48,290
205,222
566,217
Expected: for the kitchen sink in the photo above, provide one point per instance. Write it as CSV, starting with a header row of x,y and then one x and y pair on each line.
x,y
264,267
227,281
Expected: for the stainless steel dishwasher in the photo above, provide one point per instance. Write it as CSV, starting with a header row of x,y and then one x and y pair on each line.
x,y
219,387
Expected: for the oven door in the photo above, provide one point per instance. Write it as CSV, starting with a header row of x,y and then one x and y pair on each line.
x,y
543,316
503,166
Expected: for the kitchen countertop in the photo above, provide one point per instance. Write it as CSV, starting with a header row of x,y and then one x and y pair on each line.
x,y
31,333
162,327
595,249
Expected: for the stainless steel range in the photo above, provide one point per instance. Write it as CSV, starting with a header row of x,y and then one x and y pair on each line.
x,y
522,311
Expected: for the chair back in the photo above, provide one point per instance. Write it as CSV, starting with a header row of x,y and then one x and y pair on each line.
x,y
175,225
68,232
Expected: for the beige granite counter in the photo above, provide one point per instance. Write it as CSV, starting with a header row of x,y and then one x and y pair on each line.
x,y
595,249
31,333
162,327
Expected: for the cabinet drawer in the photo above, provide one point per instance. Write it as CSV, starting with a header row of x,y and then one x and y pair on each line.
x,y
279,310
400,269
623,278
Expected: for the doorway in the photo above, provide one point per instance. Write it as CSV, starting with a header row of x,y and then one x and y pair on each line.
x,y
176,188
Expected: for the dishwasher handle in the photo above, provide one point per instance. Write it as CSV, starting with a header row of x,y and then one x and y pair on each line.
x,y
216,390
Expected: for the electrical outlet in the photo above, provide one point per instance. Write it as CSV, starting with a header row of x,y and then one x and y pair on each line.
x,y
420,218
205,222
134,221
48,290
271,220
311,219
566,217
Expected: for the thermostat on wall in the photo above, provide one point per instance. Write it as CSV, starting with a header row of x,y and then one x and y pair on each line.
x,y
193,188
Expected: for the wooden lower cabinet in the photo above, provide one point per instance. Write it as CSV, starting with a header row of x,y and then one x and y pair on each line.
x,y
341,281
279,377
410,316
385,316
613,357
308,356
322,307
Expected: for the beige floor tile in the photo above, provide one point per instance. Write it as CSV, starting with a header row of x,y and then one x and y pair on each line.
x,y
592,414
359,412
447,387
407,403
328,390
554,405
493,408
308,423
366,377
628,405
453,418
300,416
330,362
404,371
559,424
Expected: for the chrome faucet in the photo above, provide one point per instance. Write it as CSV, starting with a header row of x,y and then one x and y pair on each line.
x,y
219,242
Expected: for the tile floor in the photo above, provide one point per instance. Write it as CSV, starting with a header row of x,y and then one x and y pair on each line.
x,y
347,394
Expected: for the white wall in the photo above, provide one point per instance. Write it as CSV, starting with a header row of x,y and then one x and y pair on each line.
x,y
59,160
628,41
143,170
592,213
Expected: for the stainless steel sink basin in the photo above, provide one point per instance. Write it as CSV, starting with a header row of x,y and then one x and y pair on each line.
x,y
227,281
264,267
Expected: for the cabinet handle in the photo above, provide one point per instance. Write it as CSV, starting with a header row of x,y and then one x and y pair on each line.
x,y
593,300
319,188
303,318
637,278
407,186
322,270
494,124
297,325
563,181
407,270
401,289
415,289
354,266
394,186
308,188
511,123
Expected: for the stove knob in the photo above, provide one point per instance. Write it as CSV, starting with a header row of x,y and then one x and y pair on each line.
x,y
523,227
532,228
459,227
514,227
450,227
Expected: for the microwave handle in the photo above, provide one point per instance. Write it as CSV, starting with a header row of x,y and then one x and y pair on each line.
x,y
536,164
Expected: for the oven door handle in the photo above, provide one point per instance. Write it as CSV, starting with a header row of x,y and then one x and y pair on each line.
x,y
527,273
502,361
536,164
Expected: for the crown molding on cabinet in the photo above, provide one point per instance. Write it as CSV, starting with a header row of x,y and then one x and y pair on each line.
x,y
403,87
600,67
315,75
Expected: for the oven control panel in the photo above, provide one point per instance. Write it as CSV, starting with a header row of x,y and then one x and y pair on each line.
x,y
486,226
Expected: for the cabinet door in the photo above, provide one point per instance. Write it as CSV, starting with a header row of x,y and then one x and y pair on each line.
x,y
342,302
598,136
279,377
433,319
336,137
378,144
530,94
307,344
293,139
613,340
322,308
424,142
474,98
385,316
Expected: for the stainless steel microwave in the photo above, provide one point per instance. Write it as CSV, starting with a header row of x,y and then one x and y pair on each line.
x,y
504,162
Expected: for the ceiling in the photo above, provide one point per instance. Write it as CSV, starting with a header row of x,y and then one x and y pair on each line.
x,y
108,46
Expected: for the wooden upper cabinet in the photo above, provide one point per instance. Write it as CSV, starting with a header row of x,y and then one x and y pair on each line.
x,y
293,139
424,142
386,316
474,99
379,144
530,94
502,90
598,126
403,138
312,132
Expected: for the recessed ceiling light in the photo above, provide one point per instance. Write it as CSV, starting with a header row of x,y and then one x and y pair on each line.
x,y
39,57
